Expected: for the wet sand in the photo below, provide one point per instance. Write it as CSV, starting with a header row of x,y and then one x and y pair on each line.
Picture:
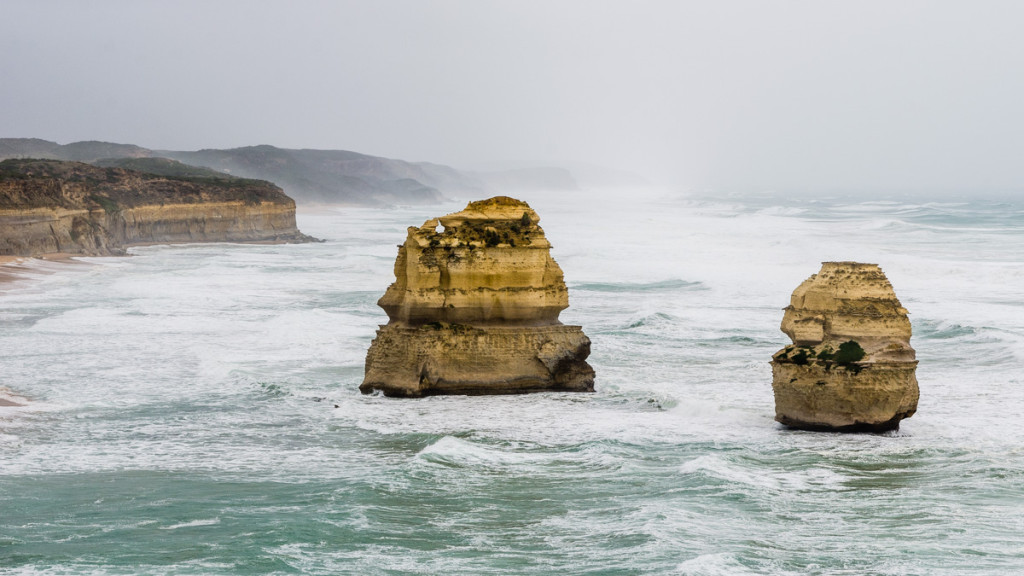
x,y
10,268
20,268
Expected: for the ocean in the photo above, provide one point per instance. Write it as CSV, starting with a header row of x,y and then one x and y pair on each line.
x,y
194,408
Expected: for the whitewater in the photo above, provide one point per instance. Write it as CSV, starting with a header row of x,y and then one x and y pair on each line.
x,y
194,408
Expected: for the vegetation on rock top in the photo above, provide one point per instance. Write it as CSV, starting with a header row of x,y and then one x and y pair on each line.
x,y
37,183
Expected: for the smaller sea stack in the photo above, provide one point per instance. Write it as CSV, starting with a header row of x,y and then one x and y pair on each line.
x,y
474,310
850,367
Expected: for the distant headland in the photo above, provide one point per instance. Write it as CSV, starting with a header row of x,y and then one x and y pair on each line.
x,y
313,176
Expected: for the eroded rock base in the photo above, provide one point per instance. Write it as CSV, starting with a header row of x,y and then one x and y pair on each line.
x,y
441,358
868,397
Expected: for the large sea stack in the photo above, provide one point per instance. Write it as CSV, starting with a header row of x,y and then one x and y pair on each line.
x,y
474,310
850,367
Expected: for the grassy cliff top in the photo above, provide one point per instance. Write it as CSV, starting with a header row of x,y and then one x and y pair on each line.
x,y
163,167
38,183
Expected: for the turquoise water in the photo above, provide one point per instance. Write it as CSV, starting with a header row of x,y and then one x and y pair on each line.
x,y
195,408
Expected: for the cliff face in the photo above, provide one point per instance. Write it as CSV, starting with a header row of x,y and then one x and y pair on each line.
x,y
52,206
474,310
851,366
97,233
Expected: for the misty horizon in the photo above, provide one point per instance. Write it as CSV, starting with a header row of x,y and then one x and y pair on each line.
x,y
793,96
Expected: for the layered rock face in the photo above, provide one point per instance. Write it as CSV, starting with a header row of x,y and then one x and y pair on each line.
x,y
50,206
474,310
851,366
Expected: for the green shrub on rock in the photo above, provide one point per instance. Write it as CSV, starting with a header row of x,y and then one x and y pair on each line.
x,y
800,358
849,352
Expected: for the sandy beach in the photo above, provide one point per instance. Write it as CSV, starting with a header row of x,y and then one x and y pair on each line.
x,y
10,268
20,268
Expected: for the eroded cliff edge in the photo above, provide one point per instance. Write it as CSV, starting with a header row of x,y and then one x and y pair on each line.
x,y
474,310
851,366
49,206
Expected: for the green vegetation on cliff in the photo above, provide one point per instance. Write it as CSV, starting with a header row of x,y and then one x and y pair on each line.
x,y
54,183
163,167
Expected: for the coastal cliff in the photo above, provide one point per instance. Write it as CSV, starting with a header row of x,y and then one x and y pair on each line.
x,y
49,206
851,366
474,310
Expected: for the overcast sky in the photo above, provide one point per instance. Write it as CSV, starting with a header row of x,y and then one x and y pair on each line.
x,y
712,94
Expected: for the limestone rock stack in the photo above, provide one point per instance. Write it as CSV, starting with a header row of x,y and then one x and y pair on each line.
x,y
474,310
850,366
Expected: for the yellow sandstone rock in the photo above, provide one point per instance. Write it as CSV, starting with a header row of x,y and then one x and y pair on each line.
x,y
851,366
474,310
